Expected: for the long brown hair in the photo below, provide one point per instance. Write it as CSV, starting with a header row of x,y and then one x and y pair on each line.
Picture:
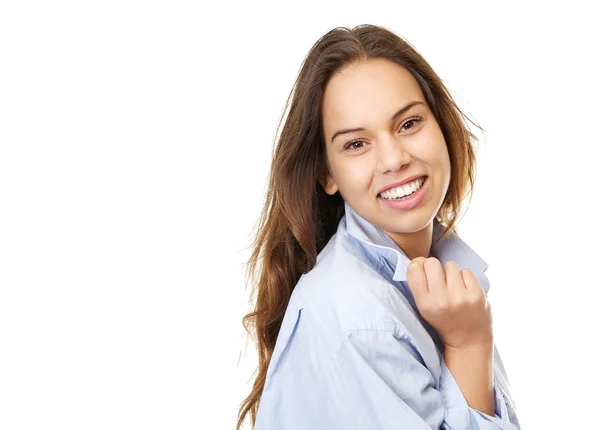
x,y
298,217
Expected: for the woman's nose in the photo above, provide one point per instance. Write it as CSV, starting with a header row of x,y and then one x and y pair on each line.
x,y
391,155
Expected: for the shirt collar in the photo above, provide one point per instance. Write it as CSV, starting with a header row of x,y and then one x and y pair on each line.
x,y
452,247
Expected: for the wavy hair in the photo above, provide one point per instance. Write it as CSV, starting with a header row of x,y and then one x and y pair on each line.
x,y
298,218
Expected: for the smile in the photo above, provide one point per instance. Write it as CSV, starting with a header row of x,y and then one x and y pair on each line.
x,y
403,191
415,195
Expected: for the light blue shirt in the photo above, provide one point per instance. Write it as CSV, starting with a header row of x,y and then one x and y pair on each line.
x,y
354,353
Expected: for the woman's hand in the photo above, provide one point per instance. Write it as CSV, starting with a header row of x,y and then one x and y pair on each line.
x,y
452,301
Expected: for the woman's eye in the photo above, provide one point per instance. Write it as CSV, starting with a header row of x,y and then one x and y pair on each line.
x,y
410,121
351,147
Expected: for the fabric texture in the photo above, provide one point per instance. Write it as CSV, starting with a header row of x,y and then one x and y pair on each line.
x,y
353,351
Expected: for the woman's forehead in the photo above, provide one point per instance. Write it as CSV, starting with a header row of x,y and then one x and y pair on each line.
x,y
367,94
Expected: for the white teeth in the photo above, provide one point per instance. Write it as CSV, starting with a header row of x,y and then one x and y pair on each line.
x,y
403,190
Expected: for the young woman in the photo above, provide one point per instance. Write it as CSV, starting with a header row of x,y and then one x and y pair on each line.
x,y
371,312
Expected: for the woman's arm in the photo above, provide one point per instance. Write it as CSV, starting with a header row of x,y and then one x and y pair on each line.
x,y
472,368
378,380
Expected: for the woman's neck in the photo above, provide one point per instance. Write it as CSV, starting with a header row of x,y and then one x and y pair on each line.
x,y
416,244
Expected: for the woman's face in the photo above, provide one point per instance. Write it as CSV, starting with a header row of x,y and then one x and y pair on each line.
x,y
388,150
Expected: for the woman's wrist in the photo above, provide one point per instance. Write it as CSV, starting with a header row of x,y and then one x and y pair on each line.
x,y
472,368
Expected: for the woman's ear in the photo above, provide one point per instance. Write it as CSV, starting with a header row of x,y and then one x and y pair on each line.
x,y
326,180
329,185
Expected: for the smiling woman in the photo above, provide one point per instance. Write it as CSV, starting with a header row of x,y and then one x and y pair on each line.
x,y
395,150
370,310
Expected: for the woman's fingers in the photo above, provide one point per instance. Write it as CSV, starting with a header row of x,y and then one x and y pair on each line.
x,y
451,300
474,290
417,280
454,278
471,282
427,278
436,279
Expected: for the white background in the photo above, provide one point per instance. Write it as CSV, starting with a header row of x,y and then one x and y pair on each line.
x,y
135,142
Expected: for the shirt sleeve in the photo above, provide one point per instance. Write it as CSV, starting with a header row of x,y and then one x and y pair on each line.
x,y
379,381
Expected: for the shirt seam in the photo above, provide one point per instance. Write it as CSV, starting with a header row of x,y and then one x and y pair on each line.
x,y
344,338
336,354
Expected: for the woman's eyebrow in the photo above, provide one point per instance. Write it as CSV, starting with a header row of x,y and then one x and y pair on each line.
x,y
400,112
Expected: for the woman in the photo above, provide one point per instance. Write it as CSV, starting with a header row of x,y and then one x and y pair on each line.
x,y
371,312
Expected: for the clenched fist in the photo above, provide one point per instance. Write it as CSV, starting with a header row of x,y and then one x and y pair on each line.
x,y
452,301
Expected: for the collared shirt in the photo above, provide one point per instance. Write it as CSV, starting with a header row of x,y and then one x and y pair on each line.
x,y
353,351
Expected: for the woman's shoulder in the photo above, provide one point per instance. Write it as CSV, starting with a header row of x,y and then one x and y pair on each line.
x,y
343,292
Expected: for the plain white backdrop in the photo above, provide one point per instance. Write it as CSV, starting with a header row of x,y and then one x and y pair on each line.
x,y
135,141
